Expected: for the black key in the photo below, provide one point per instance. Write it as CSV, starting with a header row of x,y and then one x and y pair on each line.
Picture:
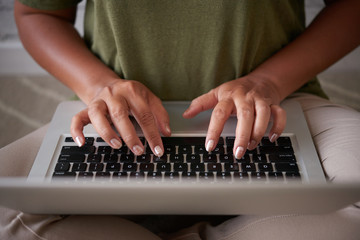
x,y
284,141
197,167
180,167
69,139
99,139
113,167
111,158
137,175
230,141
193,158
265,141
85,176
276,176
145,158
64,174
214,167
185,149
71,158
189,175
66,150
226,158
241,176
244,159
104,150
163,167
209,158
231,167
293,176
169,149
96,167
79,167
206,176
200,149
89,141
259,158
162,159
248,167
191,141
282,158
62,167
94,158
276,149
130,167
127,158
123,150
223,176
219,149
265,167
146,167
176,158
119,175
286,167
154,175
102,176
171,175
255,176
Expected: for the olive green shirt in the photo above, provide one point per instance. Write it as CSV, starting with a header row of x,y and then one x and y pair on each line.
x,y
181,49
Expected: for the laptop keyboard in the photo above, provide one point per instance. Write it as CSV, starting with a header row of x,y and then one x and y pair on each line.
x,y
185,158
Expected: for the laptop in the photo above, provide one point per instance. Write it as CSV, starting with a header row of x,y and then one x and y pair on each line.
x,y
276,178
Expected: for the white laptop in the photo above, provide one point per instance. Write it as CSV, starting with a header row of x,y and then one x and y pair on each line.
x,y
279,178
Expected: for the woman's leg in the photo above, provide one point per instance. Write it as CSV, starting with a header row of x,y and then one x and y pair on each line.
x,y
335,130
16,159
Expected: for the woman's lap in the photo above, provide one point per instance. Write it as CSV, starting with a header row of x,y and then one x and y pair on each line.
x,y
335,130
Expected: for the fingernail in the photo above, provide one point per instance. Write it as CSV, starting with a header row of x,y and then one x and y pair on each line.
x,y
158,151
239,152
78,142
209,145
115,143
138,150
252,144
167,128
273,137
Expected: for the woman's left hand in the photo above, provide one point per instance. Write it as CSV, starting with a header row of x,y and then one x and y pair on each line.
x,y
254,100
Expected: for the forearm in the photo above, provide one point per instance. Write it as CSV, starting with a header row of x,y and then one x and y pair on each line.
x,y
55,44
333,34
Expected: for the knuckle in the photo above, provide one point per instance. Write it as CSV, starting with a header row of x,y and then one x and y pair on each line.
x,y
220,114
146,119
119,114
245,112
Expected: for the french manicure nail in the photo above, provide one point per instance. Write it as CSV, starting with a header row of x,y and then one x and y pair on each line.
x,y
158,151
78,142
209,145
138,150
239,152
116,144
273,137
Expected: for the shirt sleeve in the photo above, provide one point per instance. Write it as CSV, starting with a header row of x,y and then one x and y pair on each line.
x,y
50,4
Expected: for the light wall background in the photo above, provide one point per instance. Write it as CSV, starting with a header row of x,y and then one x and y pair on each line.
x,y
29,96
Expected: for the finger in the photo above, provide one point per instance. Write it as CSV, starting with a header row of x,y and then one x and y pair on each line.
x,y
143,115
219,116
97,113
262,117
78,122
119,114
279,122
161,116
245,117
204,102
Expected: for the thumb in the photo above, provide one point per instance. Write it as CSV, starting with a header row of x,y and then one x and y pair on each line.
x,y
204,102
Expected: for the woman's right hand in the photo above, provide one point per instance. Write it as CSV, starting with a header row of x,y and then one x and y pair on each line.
x,y
112,105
